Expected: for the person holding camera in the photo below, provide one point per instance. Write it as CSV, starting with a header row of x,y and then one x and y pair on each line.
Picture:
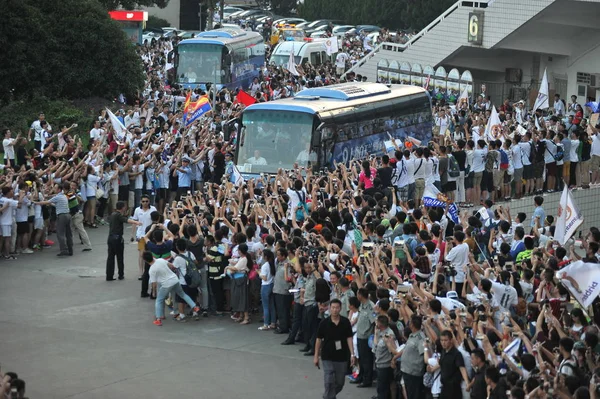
x,y
457,253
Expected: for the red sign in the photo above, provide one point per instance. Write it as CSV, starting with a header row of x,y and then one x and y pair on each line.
x,y
138,16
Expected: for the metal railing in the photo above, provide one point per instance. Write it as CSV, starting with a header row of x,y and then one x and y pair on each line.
x,y
400,47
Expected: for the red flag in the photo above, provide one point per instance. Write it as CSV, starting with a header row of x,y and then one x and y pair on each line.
x,y
244,98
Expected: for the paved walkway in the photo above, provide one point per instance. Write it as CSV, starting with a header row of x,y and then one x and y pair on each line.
x,y
70,334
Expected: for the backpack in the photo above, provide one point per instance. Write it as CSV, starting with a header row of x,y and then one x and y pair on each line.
x,y
503,160
453,169
192,275
429,378
302,205
577,373
560,153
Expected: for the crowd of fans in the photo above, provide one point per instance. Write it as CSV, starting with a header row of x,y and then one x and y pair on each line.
x,y
434,303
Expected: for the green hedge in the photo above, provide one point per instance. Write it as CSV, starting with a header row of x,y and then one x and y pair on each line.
x,y
18,116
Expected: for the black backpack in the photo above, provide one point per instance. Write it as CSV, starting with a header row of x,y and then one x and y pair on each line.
x,y
192,275
577,373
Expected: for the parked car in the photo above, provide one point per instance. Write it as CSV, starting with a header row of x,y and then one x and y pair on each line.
x,y
340,30
367,28
228,10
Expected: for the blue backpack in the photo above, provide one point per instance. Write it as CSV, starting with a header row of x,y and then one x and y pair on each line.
x,y
302,205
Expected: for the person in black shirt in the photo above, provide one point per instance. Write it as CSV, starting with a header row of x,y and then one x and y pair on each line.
x,y
478,386
496,389
116,245
452,367
385,172
334,343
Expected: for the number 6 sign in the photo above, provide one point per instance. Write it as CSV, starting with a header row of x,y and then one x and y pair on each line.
x,y
475,27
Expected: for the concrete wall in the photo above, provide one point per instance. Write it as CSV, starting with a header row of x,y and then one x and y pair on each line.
x,y
586,200
589,63
170,12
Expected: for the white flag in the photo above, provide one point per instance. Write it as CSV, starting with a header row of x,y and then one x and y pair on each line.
x,y
494,127
291,66
569,218
587,281
331,45
541,102
237,177
117,126
513,348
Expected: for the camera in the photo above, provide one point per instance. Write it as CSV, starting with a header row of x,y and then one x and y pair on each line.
x,y
449,270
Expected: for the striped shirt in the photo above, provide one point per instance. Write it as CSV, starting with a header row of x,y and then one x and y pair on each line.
x,y
61,203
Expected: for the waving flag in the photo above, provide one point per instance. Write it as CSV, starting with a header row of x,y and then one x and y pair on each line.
x,y
198,109
434,199
186,105
291,65
117,126
569,217
583,280
244,98
593,105
541,102
494,127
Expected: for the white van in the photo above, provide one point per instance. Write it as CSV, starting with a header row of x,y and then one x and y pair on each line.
x,y
313,52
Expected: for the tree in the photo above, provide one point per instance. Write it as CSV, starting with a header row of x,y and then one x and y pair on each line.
x,y
65,49
132,5
155,22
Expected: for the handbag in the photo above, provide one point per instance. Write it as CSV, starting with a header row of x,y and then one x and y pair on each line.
x,y
99,193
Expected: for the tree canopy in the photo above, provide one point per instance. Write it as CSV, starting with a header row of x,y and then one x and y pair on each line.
x,y
132,4
393,14
64,49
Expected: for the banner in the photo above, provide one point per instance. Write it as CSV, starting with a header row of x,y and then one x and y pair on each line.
x,y
541,102
494,127
583,280
236,177
434,199
331,45
117,126
198,109
569,218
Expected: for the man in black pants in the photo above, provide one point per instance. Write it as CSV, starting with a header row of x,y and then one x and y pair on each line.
x,y
215,256
115,242
364,329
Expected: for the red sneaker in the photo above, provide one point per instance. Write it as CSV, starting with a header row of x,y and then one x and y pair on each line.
x,y
157,322
196,309
48,242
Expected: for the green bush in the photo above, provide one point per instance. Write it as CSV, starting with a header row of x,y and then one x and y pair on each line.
x,y
19,115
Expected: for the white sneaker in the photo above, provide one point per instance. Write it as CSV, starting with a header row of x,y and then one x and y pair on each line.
x,y
173,313
181,317
27,251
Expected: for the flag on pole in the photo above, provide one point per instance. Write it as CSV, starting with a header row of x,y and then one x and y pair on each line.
x,y
186,105
244,98
583,280
117,126
198,109
434,199
331,45
541,102
427,82
569,217
494,127
291,65
236,177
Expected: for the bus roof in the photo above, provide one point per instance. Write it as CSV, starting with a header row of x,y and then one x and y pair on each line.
x,y
285,48
221,36
344,95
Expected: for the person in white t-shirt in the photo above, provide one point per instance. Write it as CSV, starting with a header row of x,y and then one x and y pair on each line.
x,y
36,127
91,186
181,263
340,63
96,132
8,206
9,146
267,275
458,256
164,282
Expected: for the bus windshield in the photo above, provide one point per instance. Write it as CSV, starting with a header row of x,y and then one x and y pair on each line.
x,y
275,139
198,63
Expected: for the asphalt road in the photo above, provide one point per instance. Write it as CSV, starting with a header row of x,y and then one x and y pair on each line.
x,y
70,334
